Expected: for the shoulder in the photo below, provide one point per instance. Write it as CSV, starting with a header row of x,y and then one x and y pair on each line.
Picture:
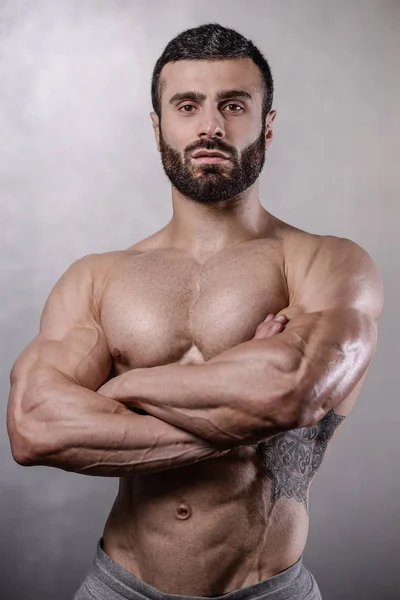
x,y
88,275
97,268
78,292
100,266
306,251
331,267
91,268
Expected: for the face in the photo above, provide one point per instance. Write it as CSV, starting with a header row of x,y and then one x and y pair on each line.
x,y
212,105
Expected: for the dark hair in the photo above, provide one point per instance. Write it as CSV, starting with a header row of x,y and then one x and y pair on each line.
x,y
211,41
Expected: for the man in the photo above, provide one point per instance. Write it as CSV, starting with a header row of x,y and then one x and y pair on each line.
x,y
209,365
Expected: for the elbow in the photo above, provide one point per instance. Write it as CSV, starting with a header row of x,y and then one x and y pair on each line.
x,y
30,442
22,450
22,455
27,451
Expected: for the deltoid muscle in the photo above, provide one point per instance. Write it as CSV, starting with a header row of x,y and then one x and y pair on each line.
x,y
292,458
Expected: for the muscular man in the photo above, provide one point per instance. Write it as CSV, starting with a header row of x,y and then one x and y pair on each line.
x,y
209,365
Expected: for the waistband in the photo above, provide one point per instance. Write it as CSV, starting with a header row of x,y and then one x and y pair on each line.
x,y
287,584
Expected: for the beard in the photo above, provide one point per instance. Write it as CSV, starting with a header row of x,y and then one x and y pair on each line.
x,y
212,183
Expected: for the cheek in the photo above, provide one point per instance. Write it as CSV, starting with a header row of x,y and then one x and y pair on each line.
x,y
179,132
171,138
241,135
257,137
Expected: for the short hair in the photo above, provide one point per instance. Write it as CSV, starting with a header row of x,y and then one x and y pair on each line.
x,y
212,41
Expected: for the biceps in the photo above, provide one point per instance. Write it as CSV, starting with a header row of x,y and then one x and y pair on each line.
x,y
81,357
338,347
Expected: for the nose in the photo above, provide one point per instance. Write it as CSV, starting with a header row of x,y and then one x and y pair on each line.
x,y
211,125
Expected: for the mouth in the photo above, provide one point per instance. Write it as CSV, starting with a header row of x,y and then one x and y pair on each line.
x,y
209,157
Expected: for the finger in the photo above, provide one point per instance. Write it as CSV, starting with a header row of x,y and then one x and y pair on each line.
x,y
269,329
281,318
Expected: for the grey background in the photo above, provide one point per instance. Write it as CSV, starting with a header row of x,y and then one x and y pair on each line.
x,y
79,173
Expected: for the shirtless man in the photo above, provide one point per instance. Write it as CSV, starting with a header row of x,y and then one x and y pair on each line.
x,y
208,365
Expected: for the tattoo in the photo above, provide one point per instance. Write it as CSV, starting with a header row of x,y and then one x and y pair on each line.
x,y
292,458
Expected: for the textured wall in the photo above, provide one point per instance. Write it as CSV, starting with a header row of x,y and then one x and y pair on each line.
x,y
79,173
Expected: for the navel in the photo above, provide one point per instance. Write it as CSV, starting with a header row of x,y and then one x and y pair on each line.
x,y
183,511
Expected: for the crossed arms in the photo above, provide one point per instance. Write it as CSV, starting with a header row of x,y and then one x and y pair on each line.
x,y
243,395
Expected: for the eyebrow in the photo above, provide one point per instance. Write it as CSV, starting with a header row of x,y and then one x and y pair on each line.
x,y
199,97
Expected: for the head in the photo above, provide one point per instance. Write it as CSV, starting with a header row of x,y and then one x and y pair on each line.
x,y
212,90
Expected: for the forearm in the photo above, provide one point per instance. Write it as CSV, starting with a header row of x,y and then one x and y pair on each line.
x,y
261,387
215,401
81,431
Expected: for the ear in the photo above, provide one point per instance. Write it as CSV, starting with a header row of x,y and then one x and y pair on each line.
x,y
156,127
269,134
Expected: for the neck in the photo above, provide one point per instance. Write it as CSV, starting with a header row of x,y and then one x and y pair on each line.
x,y
203,229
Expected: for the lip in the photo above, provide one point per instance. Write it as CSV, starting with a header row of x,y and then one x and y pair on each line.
x,y
209,154
210,159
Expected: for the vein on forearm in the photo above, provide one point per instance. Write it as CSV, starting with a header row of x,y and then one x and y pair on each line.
x,y
217,400
262,386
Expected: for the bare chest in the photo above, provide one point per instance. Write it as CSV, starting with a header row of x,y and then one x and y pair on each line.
x,y
163,306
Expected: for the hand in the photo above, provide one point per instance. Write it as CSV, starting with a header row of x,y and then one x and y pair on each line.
x,y
271,326
114,388
110,388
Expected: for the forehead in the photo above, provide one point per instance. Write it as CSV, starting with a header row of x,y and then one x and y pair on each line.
x,y
209,76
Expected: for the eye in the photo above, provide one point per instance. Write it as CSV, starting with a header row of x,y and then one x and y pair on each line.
x,y
236,105
186,106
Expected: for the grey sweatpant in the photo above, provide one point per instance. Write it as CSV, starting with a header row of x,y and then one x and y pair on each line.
x,y
107,580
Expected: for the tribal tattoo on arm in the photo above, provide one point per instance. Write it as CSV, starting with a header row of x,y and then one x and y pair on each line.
x,y
292,458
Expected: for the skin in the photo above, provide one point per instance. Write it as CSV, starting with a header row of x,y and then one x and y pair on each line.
x,y
165,364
